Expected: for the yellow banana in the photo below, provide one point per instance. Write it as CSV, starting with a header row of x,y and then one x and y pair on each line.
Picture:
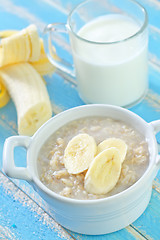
x,y
4,96
79,153
35,46
22,46
7,33
29,94
114,142
43,65
104,172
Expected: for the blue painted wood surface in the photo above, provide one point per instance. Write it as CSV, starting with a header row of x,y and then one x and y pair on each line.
x,y
23,214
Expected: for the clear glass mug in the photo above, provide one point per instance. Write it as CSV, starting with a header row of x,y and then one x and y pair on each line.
x,y
110,72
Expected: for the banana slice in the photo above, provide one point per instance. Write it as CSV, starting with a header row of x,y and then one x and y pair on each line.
x,y
114,142
104,172
29,93
79,153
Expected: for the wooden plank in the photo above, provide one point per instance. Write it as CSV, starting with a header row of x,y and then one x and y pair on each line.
x,y
156,185
149,223
153,9
28,12
128,233
154,46
148,109
22,218
6,233
43,11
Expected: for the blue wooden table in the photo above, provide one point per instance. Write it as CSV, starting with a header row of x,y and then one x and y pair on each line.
x,y
23,214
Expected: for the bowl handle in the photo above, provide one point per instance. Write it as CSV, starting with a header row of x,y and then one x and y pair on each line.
x,y
156,128
8,157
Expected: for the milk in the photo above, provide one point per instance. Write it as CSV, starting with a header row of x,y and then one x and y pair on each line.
x,y
108,71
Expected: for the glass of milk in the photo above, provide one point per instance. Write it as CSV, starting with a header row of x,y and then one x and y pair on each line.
x,y
109,41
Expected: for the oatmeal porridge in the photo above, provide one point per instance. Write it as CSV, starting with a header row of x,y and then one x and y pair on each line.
x,y
72,182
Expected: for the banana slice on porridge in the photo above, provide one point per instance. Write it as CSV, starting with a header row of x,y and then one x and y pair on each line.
x,y
104,172
114,142
79,153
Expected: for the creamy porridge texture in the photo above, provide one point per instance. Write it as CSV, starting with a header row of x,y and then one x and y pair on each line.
x,y
51,164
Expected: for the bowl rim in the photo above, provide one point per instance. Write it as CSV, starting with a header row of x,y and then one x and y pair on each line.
x,y
147,173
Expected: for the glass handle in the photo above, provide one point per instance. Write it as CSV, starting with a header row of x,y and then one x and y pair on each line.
x,y
49,37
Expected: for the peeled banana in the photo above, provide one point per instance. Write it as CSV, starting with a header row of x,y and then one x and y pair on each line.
x,y
104,172
35,47
22,46
43,65
79,153
29,93
114,142
7,33
4,96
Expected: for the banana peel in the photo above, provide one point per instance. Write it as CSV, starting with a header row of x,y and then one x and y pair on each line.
x,y
4,95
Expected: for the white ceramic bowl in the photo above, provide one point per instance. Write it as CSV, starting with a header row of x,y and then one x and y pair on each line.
x,y
88,216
